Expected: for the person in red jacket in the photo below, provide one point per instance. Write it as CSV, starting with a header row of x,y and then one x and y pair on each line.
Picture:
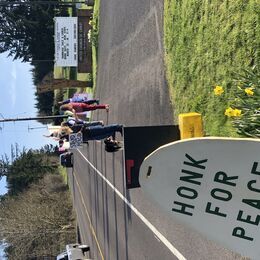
x,y
82,107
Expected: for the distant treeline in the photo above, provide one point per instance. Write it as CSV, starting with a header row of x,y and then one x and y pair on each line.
x,y
36,213
27,33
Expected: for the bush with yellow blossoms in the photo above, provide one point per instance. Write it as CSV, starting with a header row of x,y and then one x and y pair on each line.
x,y
244,109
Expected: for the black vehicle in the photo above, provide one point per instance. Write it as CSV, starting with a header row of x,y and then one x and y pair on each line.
x,y
66,159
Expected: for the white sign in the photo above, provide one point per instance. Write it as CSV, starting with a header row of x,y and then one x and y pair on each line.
x,y
75,140
211,185
66,41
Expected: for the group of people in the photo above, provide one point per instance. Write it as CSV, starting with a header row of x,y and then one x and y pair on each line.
x,y
91,130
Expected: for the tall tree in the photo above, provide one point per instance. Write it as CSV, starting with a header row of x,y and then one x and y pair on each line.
x,y
39,221
26,33
28,167
18,26
27,30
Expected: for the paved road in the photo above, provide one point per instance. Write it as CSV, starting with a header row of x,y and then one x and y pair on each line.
x,y
120,223
111,226
130,66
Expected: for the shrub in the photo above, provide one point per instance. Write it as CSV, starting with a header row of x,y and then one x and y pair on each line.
x,y
247,97
244,107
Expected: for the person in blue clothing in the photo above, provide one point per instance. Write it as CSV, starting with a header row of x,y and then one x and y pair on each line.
x,y
79,99
89,133
99,132
72,121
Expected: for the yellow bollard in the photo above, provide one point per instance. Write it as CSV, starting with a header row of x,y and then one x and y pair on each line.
x,y
190,125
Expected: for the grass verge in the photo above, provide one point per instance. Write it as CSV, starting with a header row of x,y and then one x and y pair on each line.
x,y
63,173
206,41
95,42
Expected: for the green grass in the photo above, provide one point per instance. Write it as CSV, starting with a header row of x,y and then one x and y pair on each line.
x,y
95,47
206,41
63,173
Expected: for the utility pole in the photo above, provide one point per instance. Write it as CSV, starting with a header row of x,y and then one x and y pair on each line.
x,y
32,118
38,127
41,3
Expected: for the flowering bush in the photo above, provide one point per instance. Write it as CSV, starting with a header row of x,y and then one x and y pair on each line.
x,y
248,101
244,109
230,112
93,33
93,36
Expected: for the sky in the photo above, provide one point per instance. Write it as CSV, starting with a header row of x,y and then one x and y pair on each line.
x,y
17,100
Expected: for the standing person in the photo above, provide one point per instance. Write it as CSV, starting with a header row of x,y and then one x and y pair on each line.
x,y
71,121
100,132
89,133
61,134
79,99
82,107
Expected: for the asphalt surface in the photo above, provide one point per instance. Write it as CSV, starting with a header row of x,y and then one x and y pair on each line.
x,y
106,222
130,65
118,223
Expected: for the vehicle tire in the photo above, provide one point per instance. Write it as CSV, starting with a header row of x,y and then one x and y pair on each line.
x,y
78,235
72,159
69,160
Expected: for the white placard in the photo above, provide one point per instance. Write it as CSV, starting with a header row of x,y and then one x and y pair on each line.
x,y
66,41
75,140
211,185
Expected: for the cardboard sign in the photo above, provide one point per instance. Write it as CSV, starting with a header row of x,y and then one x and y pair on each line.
x,y
139,141
211,185
75,140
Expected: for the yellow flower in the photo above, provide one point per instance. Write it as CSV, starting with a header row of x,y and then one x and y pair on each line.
x,y
229,112
233,112
237,112
249,91
218,90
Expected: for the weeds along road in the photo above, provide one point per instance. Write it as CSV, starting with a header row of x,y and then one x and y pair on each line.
x,y
119,223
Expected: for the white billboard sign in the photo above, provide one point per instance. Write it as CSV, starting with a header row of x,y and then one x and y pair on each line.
x,y
211,185
66,41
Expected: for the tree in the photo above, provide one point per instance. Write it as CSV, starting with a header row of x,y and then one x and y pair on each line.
x,y
44,103
38,221
27,30
26,33
4,163
30,166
